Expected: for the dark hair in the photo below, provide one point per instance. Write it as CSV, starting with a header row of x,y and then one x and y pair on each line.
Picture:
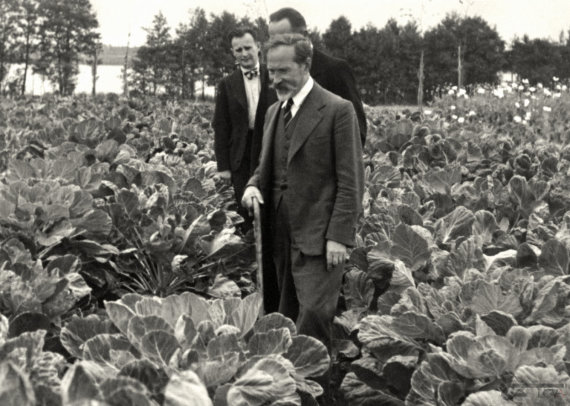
x,y
295,18
301,44
240,32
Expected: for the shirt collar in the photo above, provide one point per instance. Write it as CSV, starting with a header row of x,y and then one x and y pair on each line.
x,y
247,70
302,94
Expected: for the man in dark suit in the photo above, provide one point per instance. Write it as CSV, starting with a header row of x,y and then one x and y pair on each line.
x,y
242,99
310,182
332,73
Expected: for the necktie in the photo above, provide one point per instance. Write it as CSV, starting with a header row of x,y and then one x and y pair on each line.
x,y
287,115
250,74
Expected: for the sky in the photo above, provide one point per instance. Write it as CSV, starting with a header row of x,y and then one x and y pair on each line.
x,y
537,18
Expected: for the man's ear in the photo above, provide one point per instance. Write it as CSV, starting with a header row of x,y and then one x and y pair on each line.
x,y
308,63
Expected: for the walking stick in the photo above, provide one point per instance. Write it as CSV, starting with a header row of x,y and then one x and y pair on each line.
x,y
258,250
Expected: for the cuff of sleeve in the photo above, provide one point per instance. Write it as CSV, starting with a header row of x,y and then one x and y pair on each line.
x,y
342,234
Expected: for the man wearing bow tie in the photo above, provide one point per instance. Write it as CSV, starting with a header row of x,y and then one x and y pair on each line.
x,y
242,99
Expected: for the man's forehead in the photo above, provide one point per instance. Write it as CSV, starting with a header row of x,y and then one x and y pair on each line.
x,y
281,51
282,26
245,39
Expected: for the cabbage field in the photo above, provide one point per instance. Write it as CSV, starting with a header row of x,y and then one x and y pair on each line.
x,y
125,278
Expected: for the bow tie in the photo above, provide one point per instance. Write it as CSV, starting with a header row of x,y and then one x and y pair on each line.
x,y
250,74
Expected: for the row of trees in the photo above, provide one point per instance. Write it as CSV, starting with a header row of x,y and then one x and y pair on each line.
x,y
199,53
49,36
461,51
52,37
387,61
538,60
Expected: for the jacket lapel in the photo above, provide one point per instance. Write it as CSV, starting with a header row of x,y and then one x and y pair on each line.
x,y
265,159
238,88
309,116
263,77
264,93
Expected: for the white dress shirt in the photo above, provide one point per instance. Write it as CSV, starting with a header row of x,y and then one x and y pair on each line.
x,y
300,97
252,90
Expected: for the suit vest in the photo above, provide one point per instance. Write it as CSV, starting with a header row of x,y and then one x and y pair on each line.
x,y
281,143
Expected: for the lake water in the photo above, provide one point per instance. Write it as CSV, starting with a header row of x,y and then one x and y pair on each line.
x,y
110,80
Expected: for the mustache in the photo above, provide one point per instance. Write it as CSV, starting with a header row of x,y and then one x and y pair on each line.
x,y
278,87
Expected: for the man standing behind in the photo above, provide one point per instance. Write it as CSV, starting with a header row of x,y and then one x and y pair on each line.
x,y
310,181
242,99
333,74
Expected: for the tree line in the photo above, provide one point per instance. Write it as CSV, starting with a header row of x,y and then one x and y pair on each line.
x,y
51,38
387,61
198,53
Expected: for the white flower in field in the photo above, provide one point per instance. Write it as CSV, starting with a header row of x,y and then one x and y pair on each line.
x,y
517,105
461,92
517,119
532,89
452,107
465,96
547,93
481,90
526,102
451,92
521,87
454,117
539,85
558,87
499,93
528,115
472,113
533,97
564,87
547,109
461,120
555,78
427,112
557,95
525,81
454,87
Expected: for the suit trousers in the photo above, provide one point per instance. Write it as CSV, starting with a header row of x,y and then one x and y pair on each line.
x,y
309,291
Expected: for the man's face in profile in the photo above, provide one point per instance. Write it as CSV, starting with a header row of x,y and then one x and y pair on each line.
x,y
286,75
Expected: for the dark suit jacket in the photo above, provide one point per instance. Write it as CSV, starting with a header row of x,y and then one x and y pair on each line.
x,y
335,75
231,120
325,173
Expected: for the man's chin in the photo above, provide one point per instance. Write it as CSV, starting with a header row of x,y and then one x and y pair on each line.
x,y
283,96
248,65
